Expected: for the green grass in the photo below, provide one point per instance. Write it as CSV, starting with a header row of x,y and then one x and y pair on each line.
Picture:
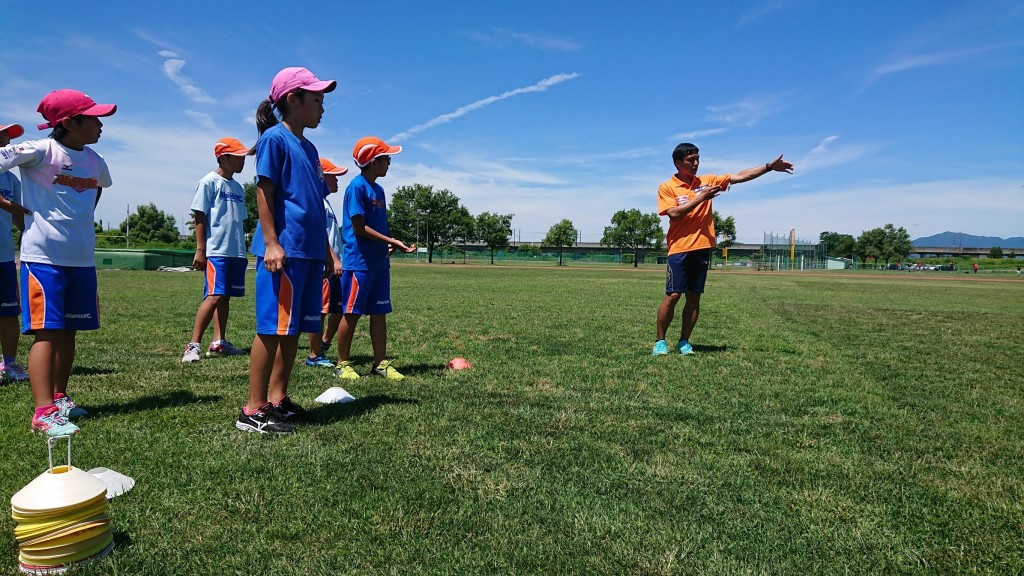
x,y
828,424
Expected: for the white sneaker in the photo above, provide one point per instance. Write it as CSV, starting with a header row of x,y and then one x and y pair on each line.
x,y
193,352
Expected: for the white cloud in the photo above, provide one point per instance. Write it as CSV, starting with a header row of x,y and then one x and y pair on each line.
x,y
202,119
172,68
746,112
499,37
759,11
541,86
697,134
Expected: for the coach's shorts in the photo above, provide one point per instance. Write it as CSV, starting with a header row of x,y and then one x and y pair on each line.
x,y
288,302
224,276
331,295
366,291
10,307
687,271
58,298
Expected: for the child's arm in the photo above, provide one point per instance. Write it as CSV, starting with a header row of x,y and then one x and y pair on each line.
x,y
16,210
361,229
199,261
333,265
273,256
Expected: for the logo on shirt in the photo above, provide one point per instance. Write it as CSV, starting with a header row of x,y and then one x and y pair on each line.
x,y
75,183
377,203
66,167
11,151
7,194
231,196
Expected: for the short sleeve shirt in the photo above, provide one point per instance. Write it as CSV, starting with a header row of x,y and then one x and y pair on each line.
x,y
366,199
695,230
333,230
292,164
59,185
223,202
10,188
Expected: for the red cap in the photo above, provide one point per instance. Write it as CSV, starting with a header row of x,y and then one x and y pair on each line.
x,y
60,105
13,130
230,146
366,149
329,168
291,79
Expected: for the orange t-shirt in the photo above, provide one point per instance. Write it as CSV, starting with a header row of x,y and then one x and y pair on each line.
x,y
695,230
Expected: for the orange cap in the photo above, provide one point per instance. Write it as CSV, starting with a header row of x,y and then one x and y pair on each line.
x,y
230,146
329,168
13,130
368,148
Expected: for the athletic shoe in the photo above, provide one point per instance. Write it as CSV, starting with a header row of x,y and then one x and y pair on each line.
x,y
660,348
324,346
290,411
320,361
223,348
266,420
388,371
15,372
345,371
684,348
193,352
53,423
68,408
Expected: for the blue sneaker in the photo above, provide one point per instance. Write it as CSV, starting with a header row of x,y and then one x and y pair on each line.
x,y
320,361
684,347
660,348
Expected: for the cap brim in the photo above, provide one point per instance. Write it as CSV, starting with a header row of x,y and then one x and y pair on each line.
x,y
321,86
246,152
100,110
13,131
338,172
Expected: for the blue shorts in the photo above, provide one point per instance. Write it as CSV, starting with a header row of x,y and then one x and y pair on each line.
x,y
687,271
224,276
288,302
9,305
58,298
366,291
331,295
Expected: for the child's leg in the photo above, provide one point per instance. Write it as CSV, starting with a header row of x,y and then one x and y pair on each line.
x,y
10,333
42,361
379,337
315,347
282,368
64,361
346,331
205,313
333,321
261,364
220,318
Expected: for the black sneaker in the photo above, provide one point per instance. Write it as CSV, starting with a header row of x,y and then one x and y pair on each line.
x,y
324,346
265,421
290,411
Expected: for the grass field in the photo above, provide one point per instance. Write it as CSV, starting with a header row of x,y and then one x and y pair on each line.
x,y
829,424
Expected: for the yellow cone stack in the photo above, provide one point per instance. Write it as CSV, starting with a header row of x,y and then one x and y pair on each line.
x,y
61,520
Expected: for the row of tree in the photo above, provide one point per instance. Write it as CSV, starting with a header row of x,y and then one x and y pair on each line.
x,y
879,244
433,219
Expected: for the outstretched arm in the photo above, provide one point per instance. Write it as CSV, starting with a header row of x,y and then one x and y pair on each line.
x,y
777,165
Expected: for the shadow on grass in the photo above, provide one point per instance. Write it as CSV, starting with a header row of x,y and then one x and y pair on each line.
x,y
122,540
152,402
90,371
708,348
329,413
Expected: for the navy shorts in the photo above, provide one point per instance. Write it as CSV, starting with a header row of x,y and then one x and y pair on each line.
x,y
10,305
687,271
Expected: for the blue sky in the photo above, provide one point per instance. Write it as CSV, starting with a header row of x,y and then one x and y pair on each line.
x,y
902,112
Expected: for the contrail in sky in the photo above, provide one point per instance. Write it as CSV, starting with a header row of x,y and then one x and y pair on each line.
x,y
445,118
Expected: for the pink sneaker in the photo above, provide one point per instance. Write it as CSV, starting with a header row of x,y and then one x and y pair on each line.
x,y
223,348
54,424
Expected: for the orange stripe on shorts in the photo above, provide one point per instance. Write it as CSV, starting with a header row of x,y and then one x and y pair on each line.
x,y
352,294
211,276
284,305
36,303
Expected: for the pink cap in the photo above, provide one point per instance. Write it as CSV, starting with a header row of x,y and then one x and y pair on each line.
x,y
368,148
60,105
292,79
13,130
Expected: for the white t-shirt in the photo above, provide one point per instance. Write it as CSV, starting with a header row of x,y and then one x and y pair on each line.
x,y
59,186
333,232
223,203
10,188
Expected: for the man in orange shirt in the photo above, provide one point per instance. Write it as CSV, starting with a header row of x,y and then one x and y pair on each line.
x,y
686,200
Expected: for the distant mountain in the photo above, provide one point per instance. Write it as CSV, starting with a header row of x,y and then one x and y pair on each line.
x,y
947,239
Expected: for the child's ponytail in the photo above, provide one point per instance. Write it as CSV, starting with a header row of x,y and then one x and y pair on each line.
x,y
265,117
